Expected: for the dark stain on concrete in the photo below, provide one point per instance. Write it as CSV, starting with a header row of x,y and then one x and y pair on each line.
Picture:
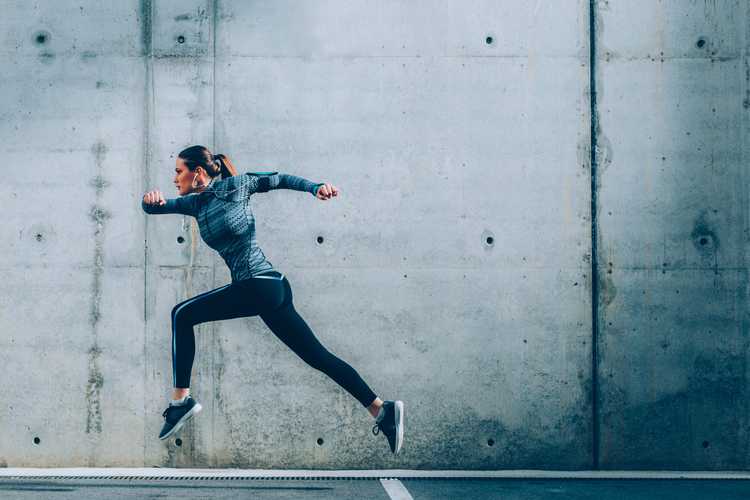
x,y
99,183
93,392
746,100
704,237
202,16
608,290
99,150
603,152
465,440
701,426
99,216
47,57
145,10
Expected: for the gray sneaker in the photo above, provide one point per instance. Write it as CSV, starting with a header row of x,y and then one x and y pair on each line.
x,y
391,423
176,416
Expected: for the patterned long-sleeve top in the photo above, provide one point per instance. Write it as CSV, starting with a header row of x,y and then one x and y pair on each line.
x,y
225,217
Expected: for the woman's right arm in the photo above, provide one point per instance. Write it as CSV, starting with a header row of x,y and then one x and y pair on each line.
x,y
154,203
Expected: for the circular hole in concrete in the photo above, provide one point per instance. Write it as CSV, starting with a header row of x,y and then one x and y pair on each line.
x,y
180,39
700,43
39,237
488,40
180,239
705,444
490,442
703,240
488,238
41,37
320,239
320,441
178,442
37,440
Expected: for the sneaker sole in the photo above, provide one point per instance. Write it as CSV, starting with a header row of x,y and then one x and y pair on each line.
x,y
399,417
195,409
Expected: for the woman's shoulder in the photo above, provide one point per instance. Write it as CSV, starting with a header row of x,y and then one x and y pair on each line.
x,y
236,186
249,180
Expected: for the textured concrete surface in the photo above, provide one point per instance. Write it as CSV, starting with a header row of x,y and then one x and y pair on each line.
x,y
673,233
456,265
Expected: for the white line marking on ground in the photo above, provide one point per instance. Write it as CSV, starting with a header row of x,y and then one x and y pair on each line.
x,y
396,489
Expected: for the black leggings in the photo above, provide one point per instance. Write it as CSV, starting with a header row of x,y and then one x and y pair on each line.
x,y
270,296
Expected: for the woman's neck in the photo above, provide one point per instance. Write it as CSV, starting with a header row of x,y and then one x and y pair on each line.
x,y
210,183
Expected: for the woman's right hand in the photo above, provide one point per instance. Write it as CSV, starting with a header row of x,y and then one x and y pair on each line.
x,y
154,198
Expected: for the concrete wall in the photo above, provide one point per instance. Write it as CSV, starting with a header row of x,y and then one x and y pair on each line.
x,y
456,270
673,99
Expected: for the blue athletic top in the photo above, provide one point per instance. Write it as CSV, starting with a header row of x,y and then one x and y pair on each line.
x,y
226,220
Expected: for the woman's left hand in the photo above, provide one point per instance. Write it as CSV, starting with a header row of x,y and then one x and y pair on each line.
x,y
326,191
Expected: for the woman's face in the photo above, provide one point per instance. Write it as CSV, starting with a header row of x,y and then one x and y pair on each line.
x,y
183,178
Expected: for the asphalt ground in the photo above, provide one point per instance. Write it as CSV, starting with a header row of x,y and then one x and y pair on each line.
x,y
84,484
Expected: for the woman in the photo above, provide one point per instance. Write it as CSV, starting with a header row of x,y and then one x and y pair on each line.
x,y
227,224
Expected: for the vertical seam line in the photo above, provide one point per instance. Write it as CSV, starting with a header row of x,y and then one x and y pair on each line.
x,y
594,236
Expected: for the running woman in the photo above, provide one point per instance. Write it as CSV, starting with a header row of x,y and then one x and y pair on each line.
x,y
211,191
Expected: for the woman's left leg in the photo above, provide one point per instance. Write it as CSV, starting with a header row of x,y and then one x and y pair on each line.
x,y
291,329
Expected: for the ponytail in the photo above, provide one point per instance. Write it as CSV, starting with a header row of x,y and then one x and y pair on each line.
x,y
225,166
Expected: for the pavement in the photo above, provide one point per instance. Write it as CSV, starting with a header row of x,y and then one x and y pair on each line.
x,y
394,484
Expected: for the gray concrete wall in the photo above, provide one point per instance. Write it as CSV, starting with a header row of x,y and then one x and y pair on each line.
x,y
456,271
673,99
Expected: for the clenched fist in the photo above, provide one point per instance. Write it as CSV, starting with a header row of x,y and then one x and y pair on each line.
x,y
154,198
326,191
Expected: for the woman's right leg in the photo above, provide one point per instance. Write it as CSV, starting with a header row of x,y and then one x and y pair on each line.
x,y
235,300
238,299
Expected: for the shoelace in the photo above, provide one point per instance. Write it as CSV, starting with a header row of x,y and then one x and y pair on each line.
x,y
379,426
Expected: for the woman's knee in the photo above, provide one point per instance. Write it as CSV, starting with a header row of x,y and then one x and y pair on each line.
x,y
181,318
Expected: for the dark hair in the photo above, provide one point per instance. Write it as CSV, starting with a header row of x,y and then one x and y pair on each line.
x,y
200,156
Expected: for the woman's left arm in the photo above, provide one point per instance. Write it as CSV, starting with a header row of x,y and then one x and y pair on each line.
x,y
288,181
261,182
